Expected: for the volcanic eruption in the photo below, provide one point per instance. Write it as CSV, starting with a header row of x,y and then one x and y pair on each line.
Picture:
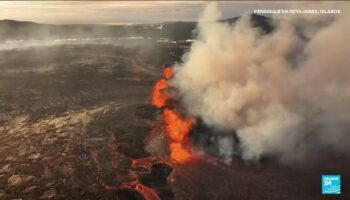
x,y
284,94
176,126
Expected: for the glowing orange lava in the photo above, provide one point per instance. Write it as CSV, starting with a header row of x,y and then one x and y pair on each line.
x,y
159,98
167,72
147,193
176,127
178,153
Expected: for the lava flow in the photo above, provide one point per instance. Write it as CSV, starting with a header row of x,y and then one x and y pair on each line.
x,y
176,127
140,169
147,192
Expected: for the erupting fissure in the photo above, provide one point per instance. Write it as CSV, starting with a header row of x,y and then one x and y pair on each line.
x,y
176,126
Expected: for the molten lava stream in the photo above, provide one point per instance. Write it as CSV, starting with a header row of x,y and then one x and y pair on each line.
x,y
146,192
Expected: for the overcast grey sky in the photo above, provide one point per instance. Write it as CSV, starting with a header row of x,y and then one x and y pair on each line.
x,y
122,12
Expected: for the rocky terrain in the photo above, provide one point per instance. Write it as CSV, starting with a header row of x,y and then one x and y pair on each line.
x,y
72,119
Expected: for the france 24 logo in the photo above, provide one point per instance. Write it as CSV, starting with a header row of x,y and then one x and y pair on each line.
x,y
331,184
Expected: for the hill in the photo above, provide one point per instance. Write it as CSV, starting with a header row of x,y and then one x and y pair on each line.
x,y
23,30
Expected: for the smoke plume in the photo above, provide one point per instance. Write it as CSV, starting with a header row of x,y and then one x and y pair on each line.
x,y
286,94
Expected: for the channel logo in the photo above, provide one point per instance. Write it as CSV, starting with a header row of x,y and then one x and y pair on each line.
x,y
331,184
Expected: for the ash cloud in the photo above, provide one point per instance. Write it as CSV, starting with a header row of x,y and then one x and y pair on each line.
x,y
285,96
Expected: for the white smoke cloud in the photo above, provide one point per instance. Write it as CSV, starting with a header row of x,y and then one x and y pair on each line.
x,y
284,95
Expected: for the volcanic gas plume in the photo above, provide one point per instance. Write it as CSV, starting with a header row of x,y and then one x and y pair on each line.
x,y
286,94
176,126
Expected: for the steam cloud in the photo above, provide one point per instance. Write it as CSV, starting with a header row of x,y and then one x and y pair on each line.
x,y
285,95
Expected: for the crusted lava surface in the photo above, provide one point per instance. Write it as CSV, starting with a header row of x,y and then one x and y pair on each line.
x,y
73,123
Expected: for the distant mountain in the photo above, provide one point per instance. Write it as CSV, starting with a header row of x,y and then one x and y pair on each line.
x,y
17,30
22,30
262,22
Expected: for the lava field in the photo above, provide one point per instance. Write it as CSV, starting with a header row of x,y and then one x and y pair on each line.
x,y
76,122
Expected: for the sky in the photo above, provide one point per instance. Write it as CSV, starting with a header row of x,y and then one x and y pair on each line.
x,y
121,12
129,12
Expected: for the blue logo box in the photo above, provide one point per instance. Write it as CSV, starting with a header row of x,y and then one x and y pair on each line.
x,y
331,184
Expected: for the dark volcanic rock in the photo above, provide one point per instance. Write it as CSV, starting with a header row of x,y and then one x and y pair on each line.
x,y
158,179
73,117
129,194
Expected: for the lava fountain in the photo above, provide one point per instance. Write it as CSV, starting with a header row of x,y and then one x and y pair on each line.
x,y
176,126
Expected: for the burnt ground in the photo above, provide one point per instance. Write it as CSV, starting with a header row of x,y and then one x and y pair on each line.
x,y
75,123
